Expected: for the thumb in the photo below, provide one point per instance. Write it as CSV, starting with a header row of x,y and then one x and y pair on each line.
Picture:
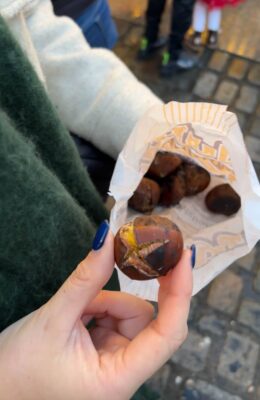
x,y
85,282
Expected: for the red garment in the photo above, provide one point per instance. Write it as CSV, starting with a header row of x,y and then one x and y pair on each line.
x,y
221,3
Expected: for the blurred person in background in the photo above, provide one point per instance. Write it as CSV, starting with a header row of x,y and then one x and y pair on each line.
x,y
175,57
94,19
207,15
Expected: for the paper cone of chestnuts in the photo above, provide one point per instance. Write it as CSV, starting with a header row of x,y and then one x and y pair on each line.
x,y
184,177
149,246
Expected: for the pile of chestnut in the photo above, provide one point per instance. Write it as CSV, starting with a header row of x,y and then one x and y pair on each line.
x,y
150,245
170,178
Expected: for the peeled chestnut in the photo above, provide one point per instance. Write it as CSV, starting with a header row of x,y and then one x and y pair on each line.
x,y
223,199
173,189
148,247
146,196
164,164
197,179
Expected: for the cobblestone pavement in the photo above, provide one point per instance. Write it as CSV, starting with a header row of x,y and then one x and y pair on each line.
x,y
240,28
221,358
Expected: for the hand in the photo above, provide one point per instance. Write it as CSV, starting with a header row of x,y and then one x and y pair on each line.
x,y
50,354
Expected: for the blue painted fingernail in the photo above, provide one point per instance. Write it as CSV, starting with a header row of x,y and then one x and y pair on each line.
x,y
193,255
100,235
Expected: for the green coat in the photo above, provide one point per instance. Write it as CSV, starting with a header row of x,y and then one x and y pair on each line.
x,y
49,208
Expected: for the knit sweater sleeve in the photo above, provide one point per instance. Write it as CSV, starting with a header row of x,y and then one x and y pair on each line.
x,y
96,95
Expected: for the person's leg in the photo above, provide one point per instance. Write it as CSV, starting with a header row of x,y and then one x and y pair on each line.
x,y
176,58
214,20
180,23
97,25
199,17
199,25
153,18
150,41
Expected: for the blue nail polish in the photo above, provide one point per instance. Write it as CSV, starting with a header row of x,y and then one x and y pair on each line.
x,y
100,235
193,255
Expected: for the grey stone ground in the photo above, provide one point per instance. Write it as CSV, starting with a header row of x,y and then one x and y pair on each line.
x,y
221,358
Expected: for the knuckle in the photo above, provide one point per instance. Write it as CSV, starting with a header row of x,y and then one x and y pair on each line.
x,y
150,311
181,336
186,294
80,276
184,333
146,311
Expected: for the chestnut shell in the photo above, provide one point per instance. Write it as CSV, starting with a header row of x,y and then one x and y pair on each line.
x,y
146,196
223,199
148,247
164,164
197,178
173,189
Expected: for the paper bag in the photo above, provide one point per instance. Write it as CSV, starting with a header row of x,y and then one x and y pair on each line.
x,y
210,136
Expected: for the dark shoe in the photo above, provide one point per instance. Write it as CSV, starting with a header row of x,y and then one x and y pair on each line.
x,y
184,62
194,42
168,65
212,41
187,60
147,49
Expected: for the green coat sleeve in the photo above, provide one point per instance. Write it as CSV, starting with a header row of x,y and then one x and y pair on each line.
x,y
44,233
25,101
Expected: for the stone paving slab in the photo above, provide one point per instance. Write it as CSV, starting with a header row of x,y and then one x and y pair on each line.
x,y
253,148
193,353
257,282
238,360
201,390
242,119
247,262
247,99
255,129
238,68
249,314
254,75
123,27
212,324
206,85
226,92
133,38
159,381
218,61
257,169
225,291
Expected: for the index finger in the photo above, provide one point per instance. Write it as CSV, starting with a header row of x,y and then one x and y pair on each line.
x,y
155,344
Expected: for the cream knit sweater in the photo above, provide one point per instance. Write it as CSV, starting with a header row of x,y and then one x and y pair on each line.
x,y
95,94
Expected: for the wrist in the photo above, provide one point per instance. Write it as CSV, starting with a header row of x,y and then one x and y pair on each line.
x,y
10,376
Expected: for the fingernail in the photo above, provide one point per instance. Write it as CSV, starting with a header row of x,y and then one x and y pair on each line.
x,y
193,255
100,235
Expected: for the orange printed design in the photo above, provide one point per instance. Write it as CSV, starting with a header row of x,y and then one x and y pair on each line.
x,y
183,140
221,242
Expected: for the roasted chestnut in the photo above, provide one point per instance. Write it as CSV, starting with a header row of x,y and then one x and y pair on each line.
x,y
173,189
164,164
223,199
146,196
148,247
197,178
